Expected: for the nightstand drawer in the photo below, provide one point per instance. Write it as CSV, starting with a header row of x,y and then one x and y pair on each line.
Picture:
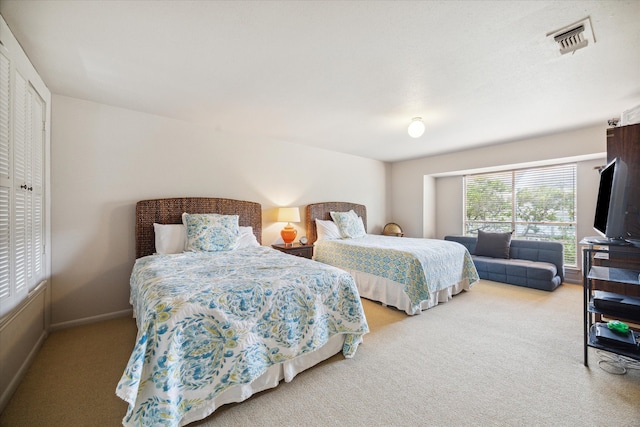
x,y
305,251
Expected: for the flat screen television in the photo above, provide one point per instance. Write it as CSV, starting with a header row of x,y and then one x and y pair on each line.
x,y
611,205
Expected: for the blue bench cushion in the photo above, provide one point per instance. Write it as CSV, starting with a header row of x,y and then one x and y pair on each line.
x,y
531,263
522,272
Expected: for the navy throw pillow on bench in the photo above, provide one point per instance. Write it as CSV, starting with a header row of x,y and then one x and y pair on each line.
x,y
494,245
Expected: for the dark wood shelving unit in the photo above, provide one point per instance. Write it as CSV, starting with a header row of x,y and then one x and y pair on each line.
x,y
600,277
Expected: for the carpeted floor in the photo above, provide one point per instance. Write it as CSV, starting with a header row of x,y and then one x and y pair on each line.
x,y
498,355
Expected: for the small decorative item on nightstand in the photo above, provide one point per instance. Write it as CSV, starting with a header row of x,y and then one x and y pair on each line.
x,y
392,229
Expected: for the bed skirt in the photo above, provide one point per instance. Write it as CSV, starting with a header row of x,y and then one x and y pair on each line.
x,y
392,293
271,378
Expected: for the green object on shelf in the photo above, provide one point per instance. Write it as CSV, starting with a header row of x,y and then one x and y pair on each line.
x,y
618,326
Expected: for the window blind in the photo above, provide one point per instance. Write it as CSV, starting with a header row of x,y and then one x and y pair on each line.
x,y
536,204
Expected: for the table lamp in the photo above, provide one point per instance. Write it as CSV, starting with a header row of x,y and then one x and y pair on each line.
x,y
288,215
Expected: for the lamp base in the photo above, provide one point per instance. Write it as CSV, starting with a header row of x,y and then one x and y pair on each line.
x,y
288,235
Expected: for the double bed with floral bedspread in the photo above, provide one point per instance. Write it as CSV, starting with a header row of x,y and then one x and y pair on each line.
x,y
220,317
411,274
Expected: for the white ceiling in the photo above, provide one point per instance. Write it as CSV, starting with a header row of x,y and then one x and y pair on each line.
x,y
345,76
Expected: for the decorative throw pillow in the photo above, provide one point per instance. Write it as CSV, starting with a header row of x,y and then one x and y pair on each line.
x,y
170,238
494,245
211,232
349,224
327,230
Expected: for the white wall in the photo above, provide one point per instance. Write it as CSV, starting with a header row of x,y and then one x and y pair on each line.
x,y
105,159
428,207
449,204
407,194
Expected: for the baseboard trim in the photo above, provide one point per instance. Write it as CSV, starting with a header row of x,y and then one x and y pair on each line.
x,y
17,378
23,330
89,320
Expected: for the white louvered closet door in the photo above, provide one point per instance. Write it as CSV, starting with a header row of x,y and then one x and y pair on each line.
x,y
21,199
28,147
22,114
37,191
5,181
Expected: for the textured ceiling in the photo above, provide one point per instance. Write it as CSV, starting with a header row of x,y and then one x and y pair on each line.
x,y
341,75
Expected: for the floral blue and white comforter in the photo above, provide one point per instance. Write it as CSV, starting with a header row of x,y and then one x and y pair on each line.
x,y
423,266
211,320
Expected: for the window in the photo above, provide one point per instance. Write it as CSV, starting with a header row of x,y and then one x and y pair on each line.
x,y
537,204
22,143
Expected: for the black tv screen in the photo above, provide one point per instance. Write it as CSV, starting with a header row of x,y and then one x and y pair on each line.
x,y
611,204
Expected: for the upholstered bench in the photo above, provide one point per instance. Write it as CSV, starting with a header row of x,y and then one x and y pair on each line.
x,y
531,263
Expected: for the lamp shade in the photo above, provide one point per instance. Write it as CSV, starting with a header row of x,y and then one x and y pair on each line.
x,y
416,127
288,215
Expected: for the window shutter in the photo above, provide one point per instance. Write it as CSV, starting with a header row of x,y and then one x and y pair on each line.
x,y
20,248
23,162
37,202
5,183
38,238
20,127
5,242
19,131
5,102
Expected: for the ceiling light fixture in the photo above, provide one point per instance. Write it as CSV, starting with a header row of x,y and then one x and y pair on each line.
x,y
416,127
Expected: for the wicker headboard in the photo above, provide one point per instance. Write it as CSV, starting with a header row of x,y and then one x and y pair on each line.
x,y
322,211
169,211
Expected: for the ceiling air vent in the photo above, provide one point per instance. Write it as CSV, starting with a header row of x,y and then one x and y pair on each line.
x,y
574,36
572,40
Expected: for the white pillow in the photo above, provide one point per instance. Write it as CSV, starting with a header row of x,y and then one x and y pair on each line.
x,y
363,231
327,230
170,238
247,239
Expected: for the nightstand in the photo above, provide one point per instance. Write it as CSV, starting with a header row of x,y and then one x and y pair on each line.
x,y
305,251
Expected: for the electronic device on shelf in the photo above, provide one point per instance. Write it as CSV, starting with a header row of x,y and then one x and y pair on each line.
x,y
620,305
609,337
597,240
611,204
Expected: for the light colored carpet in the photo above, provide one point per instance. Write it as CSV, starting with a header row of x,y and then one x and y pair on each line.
x,y
498,355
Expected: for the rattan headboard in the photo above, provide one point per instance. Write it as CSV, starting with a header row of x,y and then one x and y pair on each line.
x,y
169,211
322,211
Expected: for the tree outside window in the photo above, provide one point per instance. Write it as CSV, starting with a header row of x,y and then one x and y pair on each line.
x,y
536,204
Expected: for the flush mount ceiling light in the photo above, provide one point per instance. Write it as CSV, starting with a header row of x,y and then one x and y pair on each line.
x,y
416,127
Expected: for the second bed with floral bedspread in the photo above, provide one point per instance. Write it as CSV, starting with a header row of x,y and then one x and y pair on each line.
x,y
422,266
209,321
